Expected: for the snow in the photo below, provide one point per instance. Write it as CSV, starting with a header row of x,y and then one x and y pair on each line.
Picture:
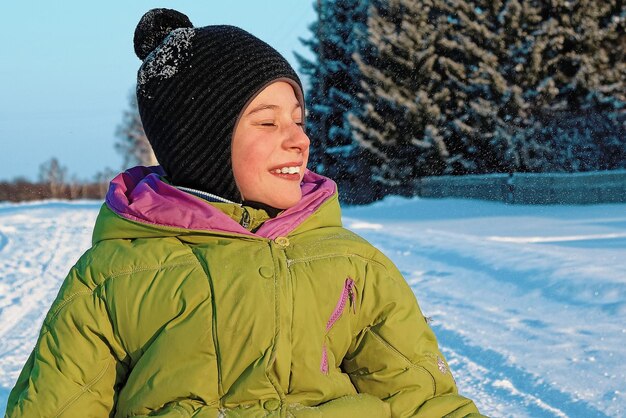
x,y
528,302
164,62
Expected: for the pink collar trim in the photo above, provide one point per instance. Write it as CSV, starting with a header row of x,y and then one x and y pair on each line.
x,y
140,195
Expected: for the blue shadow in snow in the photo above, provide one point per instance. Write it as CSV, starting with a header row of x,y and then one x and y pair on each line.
x,y
499,368
605,243
3,240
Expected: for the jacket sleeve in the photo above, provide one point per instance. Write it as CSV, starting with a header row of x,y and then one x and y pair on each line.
x,y
395,355
73,369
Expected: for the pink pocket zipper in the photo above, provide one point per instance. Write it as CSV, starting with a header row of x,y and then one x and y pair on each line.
x,y
348,295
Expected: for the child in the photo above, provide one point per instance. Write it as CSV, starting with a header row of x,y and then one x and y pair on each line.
x,y
223,283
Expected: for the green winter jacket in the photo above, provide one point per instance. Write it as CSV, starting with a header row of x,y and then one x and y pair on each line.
x,y
175,312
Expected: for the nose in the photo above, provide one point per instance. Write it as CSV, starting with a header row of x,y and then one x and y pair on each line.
x,y
296,139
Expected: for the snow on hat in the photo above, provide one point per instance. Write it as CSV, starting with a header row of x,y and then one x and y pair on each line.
x,y
191,89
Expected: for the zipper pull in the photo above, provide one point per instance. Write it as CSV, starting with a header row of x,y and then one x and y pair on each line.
x,y
351,294
245,218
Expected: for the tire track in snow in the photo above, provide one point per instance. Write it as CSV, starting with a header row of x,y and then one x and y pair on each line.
x,y
511,384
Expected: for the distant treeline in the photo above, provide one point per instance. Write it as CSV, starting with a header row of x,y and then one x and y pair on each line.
x,y
53,184
22,190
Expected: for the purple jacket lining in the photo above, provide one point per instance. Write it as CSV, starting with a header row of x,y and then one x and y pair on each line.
x,y
140,195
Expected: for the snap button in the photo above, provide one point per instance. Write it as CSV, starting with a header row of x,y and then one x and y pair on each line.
x,y
271,404
282,241
266,271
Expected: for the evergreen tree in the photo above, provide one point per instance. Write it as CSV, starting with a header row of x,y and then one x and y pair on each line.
x,y
574,141
478,86
333,86
431,92
481,121
571,74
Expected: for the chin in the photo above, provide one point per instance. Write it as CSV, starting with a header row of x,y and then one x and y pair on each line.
x,y
286,202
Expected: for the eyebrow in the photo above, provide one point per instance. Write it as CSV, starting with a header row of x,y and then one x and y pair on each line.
x,y
270,106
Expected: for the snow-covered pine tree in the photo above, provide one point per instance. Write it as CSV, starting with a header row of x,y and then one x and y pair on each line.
x,y
332,89
474,86
566,61
433,100
399,115
482,125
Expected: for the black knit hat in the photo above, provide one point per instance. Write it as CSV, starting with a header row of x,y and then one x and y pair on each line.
x,y
191,89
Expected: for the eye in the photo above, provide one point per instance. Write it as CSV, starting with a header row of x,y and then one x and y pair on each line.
x,y
267,124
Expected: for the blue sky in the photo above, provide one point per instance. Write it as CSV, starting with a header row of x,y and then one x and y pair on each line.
x,y
67,69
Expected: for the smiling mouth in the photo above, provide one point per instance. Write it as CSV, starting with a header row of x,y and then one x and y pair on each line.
x,y
287,172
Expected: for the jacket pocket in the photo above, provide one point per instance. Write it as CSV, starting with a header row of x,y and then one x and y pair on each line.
x,y
346,299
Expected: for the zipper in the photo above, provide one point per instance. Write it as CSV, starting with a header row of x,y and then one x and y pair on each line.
x,y
348,297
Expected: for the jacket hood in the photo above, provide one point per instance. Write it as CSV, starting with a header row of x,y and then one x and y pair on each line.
x,y
155,208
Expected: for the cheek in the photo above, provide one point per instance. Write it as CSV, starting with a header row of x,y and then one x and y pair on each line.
x,y
244,154
248,168
253,161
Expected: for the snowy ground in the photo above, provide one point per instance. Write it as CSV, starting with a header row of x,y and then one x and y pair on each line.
x,y
528,302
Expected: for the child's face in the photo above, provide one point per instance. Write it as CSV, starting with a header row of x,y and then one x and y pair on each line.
x,y
270,149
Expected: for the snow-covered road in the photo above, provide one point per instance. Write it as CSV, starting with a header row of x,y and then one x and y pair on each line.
x,y
39,242
528,302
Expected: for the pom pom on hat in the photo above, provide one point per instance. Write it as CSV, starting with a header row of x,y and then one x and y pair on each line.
x,y
154,27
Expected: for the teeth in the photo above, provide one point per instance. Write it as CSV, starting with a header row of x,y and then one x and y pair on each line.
x,y
287,170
